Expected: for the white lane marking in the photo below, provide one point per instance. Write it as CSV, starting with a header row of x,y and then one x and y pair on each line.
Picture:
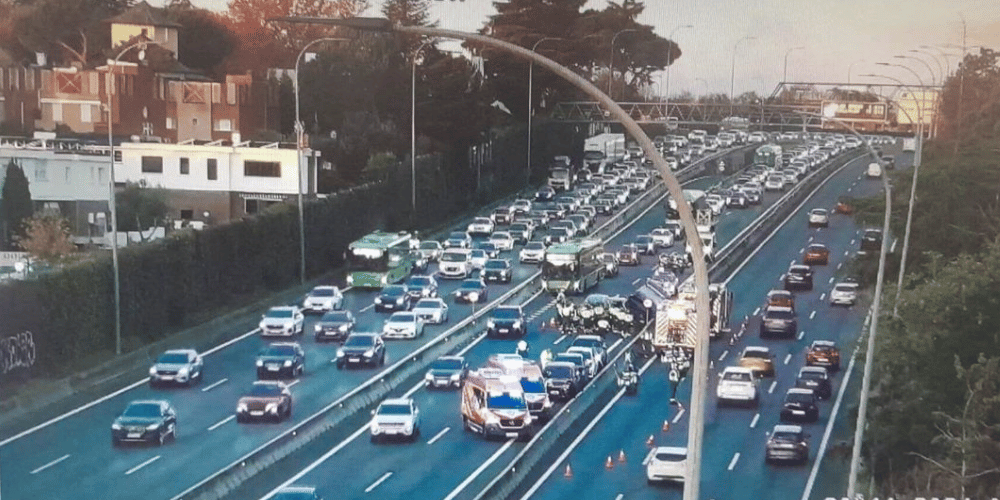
x,y
471,345
50,464
560,339
293,383
822,296
829,425
893,249
732,463
326,456
221,422
620,496
788,357
813,314
852,242
802,334
677,418
454,493
381,480
438,435
847,252
782,277
637,280
791,262
756,418
831,280
810,239
127,388
802,251
840,265
612,348
770,390
213,386
367,307
849,189
756,311
137,467
723,355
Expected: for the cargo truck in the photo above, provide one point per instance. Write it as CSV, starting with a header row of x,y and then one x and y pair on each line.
x,y
603,149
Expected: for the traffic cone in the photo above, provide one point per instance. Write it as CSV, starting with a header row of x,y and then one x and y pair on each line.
x,y
609,464
666,426
621,456
650,441
569,471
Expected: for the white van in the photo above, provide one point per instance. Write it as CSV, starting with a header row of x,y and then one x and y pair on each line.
x,y
874,171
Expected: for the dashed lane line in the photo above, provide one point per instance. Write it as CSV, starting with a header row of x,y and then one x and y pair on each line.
x,y
756,311
480,470
756,418
813,314
216,384
438,435
677,418
50,464
822,296
221,422
380,480
140,466
788,357
366,308
560,339
801,334
831,280
770,390
723,355
732,463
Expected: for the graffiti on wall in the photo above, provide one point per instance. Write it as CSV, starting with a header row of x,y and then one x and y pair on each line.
x,y
17,351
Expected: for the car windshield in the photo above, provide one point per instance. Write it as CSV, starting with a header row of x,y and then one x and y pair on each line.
x,y
142,410
643,240
279,350
454,257
532,386
535,245
576,359
798,397
394,409
479,254
666,456
294,495
506,313
336,317
457,235
737,376
429,245
394,290
447,364
518,227
420,281
360,341
428,304
845,288
822,348
505,401
799,270
322,292
753,353
558,372
779,314
812,375
172,358
817,248
279,313
471,285
496,264
608,258
402,317
788,437
265,390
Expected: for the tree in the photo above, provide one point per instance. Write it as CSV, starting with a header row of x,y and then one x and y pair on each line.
x,y
47,238
15,203
408,13
68,30
141,207
206,39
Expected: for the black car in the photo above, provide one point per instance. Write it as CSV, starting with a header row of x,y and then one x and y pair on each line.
x,y
787,443
145,422
557,235
578,361
871,241
778,320
562,380
447,371
545,194
472,291
799,277
393,298
421,287
604,206
507,321
281,359
335,325
498,270
816,379
361,349
520,232
801,405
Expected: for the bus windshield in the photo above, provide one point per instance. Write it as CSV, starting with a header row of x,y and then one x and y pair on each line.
x,y
560,267
367,259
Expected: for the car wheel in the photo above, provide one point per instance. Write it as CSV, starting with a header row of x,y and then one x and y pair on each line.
x,y
240,419
340,366
161,438
173,431
374,439
288,412
465,423
381,360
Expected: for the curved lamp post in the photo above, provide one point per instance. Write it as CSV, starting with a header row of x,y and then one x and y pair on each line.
x,y
699,384
531,104
611,59
299,134
413,126
112,202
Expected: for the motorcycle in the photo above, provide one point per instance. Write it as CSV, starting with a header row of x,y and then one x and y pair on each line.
x,y
628,378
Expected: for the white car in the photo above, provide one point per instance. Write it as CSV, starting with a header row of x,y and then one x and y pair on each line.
x,y
282,321
666,463
521,206
454,263
874,171
323,299
663,237
737,385
756,137
478,258
533,252
181,366
716,203
502,240
403,325
774,182
672,163
397,417
434,311
480,226
844,293
819,217
431,250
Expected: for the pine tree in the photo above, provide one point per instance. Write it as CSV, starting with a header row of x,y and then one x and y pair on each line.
x,y
15,204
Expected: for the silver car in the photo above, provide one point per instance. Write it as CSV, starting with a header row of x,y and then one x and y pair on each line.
x,y
179,366
432,310
282,321
323,299
398,417
431,250
403,325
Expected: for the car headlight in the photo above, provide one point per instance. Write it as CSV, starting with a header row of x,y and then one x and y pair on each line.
x,y
399,300
318,327
517,324
241,407
271,408
378,300
183,371
428,376
350,279
369,353
260,363
647,303
152,427
345,327
385,280
152,370
116,426
340,353
288,363
456,377
492,419
491,324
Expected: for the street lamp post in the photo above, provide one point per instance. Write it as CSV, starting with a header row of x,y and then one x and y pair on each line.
x,y
531,103
850,67
611,59
112,201
732,73
299,135
784,73
921,61
413,126
936,78
670,63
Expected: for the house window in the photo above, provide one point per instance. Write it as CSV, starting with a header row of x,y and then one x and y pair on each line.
x,y
67,175
152,164
85,116
41,175
57,112
224,125
251,206
185,166
170,123
213,169
261,169
187,214
101,175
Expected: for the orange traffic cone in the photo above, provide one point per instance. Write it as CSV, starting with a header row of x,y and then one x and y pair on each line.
x,y
650,441
621,456
609,464
666,426
569,471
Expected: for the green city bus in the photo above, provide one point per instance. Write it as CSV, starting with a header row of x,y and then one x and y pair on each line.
x,y
574,266
380,259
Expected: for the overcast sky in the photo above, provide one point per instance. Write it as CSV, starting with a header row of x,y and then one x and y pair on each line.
x,y
834,34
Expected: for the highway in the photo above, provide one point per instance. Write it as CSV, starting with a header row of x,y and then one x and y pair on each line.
x,y
733,466
208,437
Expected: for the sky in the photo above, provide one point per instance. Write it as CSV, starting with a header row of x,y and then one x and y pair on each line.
x,y
834,34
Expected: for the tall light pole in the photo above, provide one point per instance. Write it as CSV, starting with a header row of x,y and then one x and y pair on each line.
x,y
732,73
700,376
850,67
611,59
299,137
413,125
112,198
921,61
670,63
938,78
784,73
531,103
943,54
